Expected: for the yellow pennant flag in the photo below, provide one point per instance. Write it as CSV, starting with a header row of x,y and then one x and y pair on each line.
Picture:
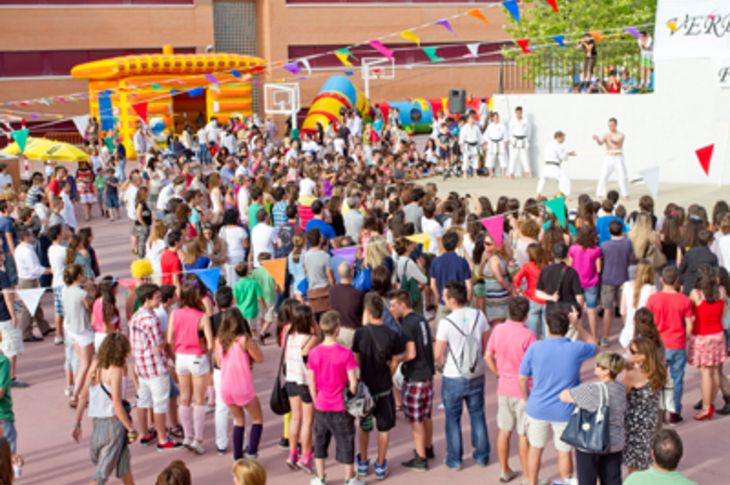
x,y
672,24
343,57
411,37
419,238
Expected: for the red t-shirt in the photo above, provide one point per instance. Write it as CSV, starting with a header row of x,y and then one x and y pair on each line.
x,y
708,318
170,266
530,272
53,187
670,310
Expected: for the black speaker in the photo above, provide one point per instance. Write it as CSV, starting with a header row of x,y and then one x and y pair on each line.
x,y
457,101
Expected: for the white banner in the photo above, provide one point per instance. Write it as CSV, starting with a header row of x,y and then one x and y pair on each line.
x,y
31,297
722,72
692,29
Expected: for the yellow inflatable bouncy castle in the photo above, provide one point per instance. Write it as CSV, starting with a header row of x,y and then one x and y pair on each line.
x,y
337,93
173,88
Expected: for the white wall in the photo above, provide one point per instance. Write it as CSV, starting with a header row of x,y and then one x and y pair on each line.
x,y
687,111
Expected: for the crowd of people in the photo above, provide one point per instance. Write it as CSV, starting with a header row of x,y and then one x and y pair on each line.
x,y
430,291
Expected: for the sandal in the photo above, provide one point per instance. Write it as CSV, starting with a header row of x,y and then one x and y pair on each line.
x,y
73,402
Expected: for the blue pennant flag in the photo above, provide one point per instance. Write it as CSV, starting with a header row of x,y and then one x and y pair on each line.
x,y
210,278
560,39
513,9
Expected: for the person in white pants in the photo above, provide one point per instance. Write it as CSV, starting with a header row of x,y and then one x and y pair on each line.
x,y
555,154
469,137
614,160
495,137
224,300
519,146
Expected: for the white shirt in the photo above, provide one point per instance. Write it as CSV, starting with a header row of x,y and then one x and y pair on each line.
x,y
495,133
140,142
310,146
57,260
519,128
234,236
129,197
463,318
263,237
68,212
435,232
162,316
154,254
723,250
355,125
627,295
353,224
242,202
212,132
306,187
470,134
229,141
483,113
555,152
167,192
201,136
27,263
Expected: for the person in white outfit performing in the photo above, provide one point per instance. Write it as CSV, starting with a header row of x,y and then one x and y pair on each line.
x,y
614,160
469,137
555,155
519,145
495,137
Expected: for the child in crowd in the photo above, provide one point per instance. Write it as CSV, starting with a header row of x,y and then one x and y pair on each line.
x,y
111,195
249,296
269,293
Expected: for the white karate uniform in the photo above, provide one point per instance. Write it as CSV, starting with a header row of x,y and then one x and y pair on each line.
x,y
495,136
469,137
611,162
519,148
555,155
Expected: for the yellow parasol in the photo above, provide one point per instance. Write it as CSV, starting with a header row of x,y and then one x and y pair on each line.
x,y
44,149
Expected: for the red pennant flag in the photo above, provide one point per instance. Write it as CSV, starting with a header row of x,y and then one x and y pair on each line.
x,y
704,155
554,4
523,43
141,110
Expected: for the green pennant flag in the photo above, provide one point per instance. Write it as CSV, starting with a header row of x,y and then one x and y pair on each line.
x,y
557,207
109,143
431,53
345,50
21,138
156,87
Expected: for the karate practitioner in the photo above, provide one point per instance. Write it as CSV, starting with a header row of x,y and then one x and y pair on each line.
x,y
519,148
469,137
614,160
555,155
495,137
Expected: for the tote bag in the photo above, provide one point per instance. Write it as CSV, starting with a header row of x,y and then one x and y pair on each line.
x,y
588,430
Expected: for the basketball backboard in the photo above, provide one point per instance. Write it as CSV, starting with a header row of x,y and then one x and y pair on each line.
x,y
377,68
281,98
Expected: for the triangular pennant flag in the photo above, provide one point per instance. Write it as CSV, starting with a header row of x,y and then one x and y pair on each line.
x,y
672,24
411,37
445,24
557,207
651,179
633,32
559,39
597,36
553,4
478,14
212,78
277,270
419,238
431,53
513,9
141,110
31,297
293,67
307,66
704,155
156,87
210,278
109,143
128,283
473,49
348,253
196,92
106,114
523,43
21,138
349,73
495,227
343,55
236,73
378,46
81,122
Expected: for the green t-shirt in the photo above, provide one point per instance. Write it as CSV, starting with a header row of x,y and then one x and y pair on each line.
x,y
100,182
267,283
252,220
652,476
6,403
247,292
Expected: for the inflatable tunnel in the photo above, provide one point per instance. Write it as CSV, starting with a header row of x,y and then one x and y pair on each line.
x,y
336,94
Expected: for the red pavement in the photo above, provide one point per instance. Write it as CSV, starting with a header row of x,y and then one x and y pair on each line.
x,y
44,421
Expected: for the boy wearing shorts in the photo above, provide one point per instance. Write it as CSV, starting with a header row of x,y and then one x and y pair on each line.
x,y
12,337
332,368
269,293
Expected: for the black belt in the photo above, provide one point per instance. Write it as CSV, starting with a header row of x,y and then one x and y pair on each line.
x,y
557,164
496,141
519,137
472,143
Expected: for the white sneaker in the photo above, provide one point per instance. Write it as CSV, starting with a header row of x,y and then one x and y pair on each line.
x,y
68,392
198,449
187,443
57,340
317,481
355,481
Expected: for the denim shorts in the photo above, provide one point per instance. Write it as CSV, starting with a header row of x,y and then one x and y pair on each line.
x,y
591,296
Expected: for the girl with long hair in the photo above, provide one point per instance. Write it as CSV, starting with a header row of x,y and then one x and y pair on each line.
x,y
190,336
104,313
236,243
212,245
295,266
216,198
587,259
235,352
530,273
156,244
142,222
77,325
634,295
195,255
490,263
77,253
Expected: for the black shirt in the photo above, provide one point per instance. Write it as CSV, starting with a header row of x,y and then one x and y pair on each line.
x,y
691,262
146,215
374,358
338,224
348,301
415,329
569,285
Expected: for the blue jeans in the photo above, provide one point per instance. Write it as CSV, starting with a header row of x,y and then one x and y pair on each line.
x,y
454,391
535,318
676,362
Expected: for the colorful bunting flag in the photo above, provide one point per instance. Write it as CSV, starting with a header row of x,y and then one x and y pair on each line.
x,y
559,39
445,24
478,14
411,37
704,155
421,238
495,227
105,111
557,207
141,110
672,24
597,36
210,278
651,179
81,122
21,138
235,73
196,92
349,73
109,143
553,4
348,253
473,49
633,32
431,53
293,67
384,51
513,8
31,297
307,66
128,283
156,87
343,55
212,78
523,43
277,270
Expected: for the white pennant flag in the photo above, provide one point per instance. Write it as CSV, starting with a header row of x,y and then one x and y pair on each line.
x,y
473,49
31,297
651,179
81,123
305,62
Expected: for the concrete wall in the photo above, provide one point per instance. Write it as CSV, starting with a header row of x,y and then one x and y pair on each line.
x,y
687,111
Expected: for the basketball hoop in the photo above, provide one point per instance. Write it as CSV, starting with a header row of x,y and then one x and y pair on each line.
x,y
282,99
376,68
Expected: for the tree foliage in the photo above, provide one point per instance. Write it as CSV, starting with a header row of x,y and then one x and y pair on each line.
x,y
540,22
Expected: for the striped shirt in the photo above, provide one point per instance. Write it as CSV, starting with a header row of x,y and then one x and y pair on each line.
x,y
145,332
278,213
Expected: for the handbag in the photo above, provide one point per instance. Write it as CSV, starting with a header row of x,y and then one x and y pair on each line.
x,y
362,280
279,401
588,430
656,258
125,404
319,299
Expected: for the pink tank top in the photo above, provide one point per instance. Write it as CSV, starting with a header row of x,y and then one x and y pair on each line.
x,y
236,379
186,321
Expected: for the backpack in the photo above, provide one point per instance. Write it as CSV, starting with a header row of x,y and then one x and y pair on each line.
x,y
471,352
410,285
361,404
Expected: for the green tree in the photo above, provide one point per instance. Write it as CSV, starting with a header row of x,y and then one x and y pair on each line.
x,y
540,22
